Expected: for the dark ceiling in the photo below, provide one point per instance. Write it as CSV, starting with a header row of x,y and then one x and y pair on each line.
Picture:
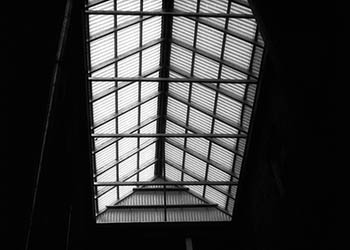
x,y
287,199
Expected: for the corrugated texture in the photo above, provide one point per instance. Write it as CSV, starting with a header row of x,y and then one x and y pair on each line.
x,y
147,174
108,71
105,5
205,67
127,120
229,108
107,128
149,109
177,110
223,128
125,145
238,52
100,23
128,39
222,156
151,29
246,117
150,58
257,61
183,29
179,89
126,5
200,120
238,165
230,73
181,58
104,107
152,5
172,173
172,128
209,40
129,67
105,156
185,5
148,88
107,199
215,174
127,95
215,196
150,129
195,166
173,154
129,215
199,145
126,167
147,154
203,96
196,189
214,6
101,50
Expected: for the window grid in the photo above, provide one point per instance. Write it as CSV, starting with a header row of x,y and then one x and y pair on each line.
x,y
207,105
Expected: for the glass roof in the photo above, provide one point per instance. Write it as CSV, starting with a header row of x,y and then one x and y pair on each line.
x,y
162,78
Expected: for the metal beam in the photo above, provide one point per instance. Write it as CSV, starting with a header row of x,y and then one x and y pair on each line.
x,y
147,189
167,13
169,135
203,205
168,79
166,183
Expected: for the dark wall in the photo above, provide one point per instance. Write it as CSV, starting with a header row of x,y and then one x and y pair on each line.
x,y
286,200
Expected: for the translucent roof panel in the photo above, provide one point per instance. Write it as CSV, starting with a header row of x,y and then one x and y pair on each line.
x,y
172,87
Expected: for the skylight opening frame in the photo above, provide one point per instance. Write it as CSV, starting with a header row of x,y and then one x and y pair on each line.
x,y
164,80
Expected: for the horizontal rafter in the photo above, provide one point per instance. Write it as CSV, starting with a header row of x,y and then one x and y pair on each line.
x,y
205,205
166,183
162,79
169,135
167,13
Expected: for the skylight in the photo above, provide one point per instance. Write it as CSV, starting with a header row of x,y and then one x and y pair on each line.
x,y
172,90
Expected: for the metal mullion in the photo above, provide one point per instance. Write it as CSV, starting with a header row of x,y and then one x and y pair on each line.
x,y
190,86
217,94
222,119
125,55
139,91
167,13
195,154
210,139
125,110
163,79
163,87
207,55
200,182
90,108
